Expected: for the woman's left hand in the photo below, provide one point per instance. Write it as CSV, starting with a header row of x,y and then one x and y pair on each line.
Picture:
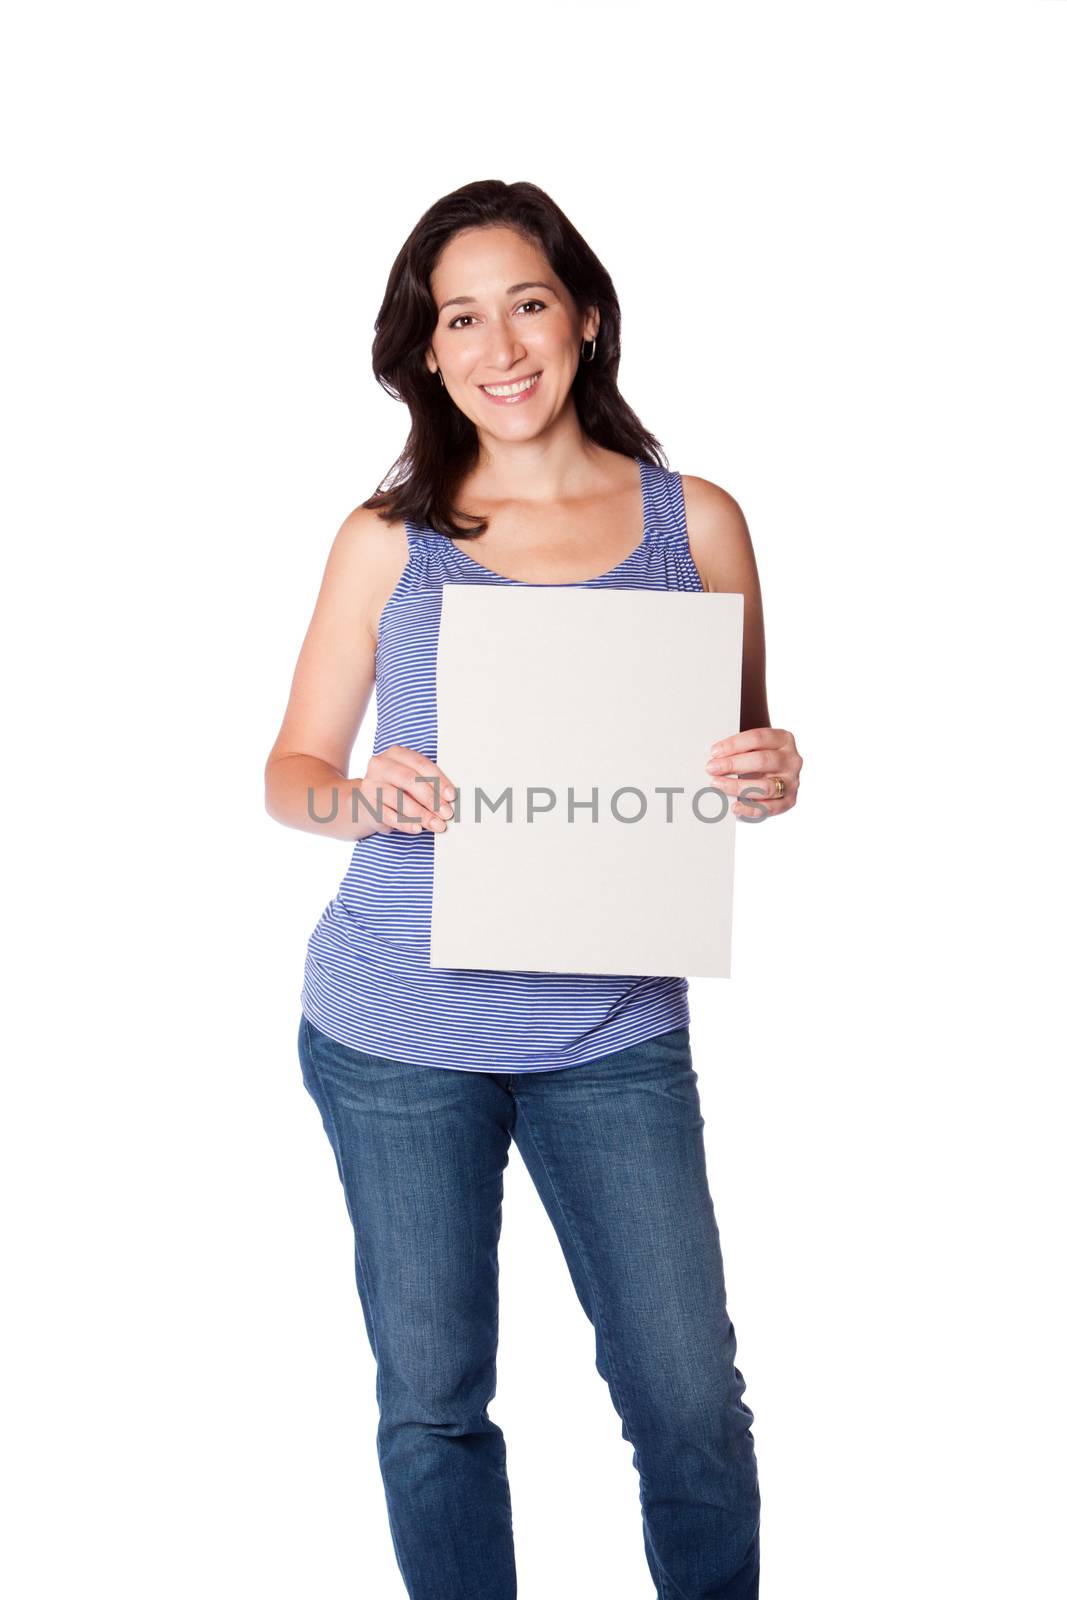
x,y
758,756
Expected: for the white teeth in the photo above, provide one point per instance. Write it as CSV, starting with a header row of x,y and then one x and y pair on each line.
x,y
504,389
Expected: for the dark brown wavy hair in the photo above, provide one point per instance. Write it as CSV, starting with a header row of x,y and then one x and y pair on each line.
x,y
442,446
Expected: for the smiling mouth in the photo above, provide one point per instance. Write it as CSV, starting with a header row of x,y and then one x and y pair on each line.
x,y
511,391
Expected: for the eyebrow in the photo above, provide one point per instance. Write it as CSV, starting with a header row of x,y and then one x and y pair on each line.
x,y
469,300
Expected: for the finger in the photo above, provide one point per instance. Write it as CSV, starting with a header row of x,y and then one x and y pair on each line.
x,y
386,794
433,790
763,793
425,799
394,823
759,809
410,806
400,821
402,818
410,803
424,766
758,789
749,739
766,788
745,761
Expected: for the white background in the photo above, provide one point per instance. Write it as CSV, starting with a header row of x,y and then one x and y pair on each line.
x,y
835,234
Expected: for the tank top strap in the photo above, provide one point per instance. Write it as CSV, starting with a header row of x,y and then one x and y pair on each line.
x,y
666,505
416,538
425,544
422,554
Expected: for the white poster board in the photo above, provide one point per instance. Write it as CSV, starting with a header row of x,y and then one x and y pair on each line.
x,y
553,697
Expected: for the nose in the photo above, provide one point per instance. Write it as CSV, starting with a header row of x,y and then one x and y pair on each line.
x,y
503,348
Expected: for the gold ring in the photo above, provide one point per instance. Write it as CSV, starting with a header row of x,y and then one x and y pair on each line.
x,y
779,788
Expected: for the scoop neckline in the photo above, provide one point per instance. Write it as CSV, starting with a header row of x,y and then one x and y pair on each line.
x,y
576,583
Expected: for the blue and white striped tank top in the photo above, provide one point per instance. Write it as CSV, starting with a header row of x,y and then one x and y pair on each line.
x,y
368,982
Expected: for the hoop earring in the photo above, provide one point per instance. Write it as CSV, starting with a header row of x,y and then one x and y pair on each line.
x,y
592,352
439,375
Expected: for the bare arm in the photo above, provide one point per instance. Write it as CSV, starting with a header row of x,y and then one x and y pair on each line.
x,y
331,689
721,547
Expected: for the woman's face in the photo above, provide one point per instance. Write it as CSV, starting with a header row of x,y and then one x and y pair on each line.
x,y
503,316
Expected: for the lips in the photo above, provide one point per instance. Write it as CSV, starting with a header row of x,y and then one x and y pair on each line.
x,y
513,396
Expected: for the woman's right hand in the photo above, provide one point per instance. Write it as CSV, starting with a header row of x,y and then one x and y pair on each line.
x,y
399,780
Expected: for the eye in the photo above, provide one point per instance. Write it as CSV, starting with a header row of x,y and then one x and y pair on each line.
x,y
466,317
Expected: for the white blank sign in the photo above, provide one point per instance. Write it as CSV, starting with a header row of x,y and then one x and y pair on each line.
x,y
553,698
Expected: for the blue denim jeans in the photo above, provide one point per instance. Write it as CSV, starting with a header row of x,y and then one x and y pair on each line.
x,y
615,1149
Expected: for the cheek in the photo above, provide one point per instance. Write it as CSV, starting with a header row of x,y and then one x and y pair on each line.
x,y
466,361
553,352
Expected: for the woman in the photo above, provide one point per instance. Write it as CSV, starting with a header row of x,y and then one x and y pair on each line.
x,y
524,465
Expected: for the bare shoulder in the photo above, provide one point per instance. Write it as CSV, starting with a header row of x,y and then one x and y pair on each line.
x,y
334,676
365,536
366,561
719,538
